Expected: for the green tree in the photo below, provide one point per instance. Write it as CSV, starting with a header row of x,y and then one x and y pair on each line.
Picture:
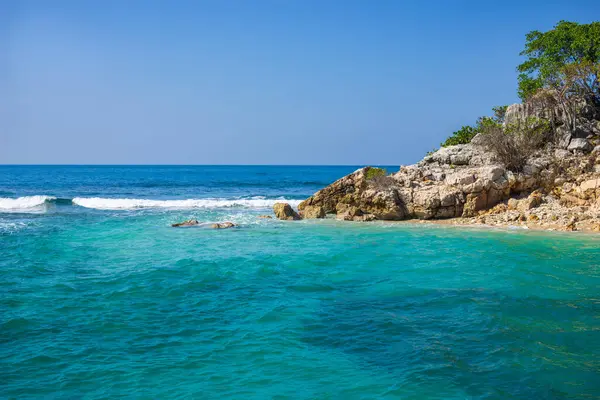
x,y
548,53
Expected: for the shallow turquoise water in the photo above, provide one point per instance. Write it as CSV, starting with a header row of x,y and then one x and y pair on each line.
x,y
116,303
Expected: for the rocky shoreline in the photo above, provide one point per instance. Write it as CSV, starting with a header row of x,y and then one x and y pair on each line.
x,y
557,189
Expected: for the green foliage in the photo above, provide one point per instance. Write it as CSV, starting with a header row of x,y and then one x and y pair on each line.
x,y
465,134
549,52
373,172
461,136
499,113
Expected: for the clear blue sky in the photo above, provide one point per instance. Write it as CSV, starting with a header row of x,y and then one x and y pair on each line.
x,y
255,82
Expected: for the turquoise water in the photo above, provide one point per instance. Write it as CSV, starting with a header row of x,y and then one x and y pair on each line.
x,y
111,301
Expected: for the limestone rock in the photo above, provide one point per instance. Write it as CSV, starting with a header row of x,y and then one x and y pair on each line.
x,y
223,225
466,181
312,212
590,189
474,203
284,211
569,200
526,204
189,222
351,213
377,196
578,144
460,154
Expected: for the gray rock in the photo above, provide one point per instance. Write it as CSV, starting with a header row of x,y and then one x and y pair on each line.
x,y
460,154
579,144
564,136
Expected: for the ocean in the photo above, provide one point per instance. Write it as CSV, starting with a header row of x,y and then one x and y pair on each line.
x,y
101,298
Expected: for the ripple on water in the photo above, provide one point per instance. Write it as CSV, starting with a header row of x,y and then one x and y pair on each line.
x,y
128,306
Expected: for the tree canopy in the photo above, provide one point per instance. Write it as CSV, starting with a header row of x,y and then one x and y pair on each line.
x,y
549,53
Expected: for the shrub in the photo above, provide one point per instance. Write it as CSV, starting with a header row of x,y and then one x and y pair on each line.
x,y
373,172
465,134
461,136
499,113
515,144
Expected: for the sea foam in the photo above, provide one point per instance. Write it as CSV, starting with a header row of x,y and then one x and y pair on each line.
x,y
24,203
101,203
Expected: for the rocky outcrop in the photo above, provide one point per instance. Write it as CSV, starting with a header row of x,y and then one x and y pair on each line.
x,y
358,197
574,130
223,225
189,222
558,183
312,212
284,211
451,182
436,189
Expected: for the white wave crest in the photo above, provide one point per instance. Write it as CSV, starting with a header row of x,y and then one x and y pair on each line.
x,y
101,203
24,203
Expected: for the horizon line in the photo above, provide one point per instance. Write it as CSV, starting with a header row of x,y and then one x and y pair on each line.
x,y
198,165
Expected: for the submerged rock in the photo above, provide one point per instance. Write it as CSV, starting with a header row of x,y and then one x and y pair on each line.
x,y
265,216
284,211
223,225
189,222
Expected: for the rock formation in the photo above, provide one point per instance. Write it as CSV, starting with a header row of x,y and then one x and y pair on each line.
x,y
285,212
560,181
189,222
223,225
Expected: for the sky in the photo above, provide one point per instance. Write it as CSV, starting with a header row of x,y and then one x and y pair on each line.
x,y
256,82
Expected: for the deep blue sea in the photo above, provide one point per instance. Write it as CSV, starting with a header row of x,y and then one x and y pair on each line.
x,y
100,298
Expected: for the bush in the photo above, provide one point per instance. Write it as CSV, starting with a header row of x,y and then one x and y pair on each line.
x,y
461,136
465,134
373,172
515,144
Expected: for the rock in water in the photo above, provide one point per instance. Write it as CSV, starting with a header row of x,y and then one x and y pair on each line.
x,y
312,212
284,211
223,225
365,194
265,216
189,222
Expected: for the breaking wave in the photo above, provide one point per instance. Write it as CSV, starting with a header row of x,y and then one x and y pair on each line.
x,y
101,203
26,203
40,203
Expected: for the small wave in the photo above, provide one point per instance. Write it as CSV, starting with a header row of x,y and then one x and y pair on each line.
x,y
7,227
101,203
24,203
